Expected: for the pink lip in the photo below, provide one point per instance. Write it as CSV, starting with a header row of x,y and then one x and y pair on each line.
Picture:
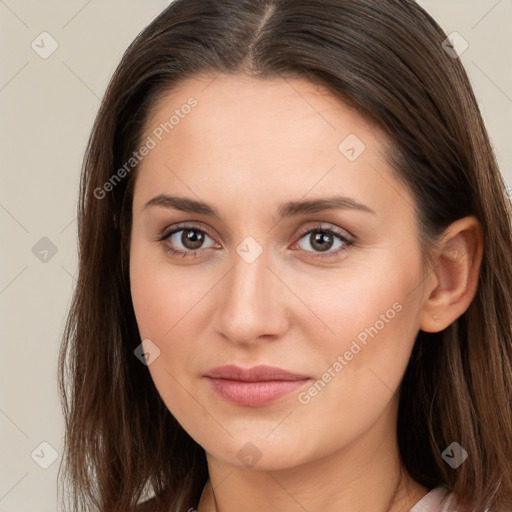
x,y
254,386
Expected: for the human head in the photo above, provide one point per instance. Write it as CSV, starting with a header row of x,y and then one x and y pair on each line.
x,y
438,148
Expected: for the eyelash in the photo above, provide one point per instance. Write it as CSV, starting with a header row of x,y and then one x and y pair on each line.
x,y
326,230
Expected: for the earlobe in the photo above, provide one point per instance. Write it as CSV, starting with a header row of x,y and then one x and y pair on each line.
x,y
456,271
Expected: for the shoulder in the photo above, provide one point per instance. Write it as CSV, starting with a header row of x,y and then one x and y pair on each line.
x,y
433,501
440,499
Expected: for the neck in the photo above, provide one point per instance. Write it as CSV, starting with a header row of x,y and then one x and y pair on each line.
x,y
366,475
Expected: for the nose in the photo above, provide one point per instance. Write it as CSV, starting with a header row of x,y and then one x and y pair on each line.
x,y
253,302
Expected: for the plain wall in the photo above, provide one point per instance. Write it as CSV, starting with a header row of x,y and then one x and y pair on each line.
x,y
47,109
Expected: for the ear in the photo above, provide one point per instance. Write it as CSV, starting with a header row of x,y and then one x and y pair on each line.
x,y
453,282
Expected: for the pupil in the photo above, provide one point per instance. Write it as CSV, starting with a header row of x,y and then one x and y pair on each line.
x,y
192,237
319,240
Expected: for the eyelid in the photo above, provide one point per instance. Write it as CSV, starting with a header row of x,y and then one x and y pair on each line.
x,y
323,226
347,238
182,226
318,226
176,228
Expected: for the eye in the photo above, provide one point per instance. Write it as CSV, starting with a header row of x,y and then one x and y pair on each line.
x,y
185,241
323,239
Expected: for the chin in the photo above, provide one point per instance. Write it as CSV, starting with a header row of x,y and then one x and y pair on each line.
x,y
255,451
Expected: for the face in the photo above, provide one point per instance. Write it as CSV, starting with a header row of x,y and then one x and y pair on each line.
x,y
269,272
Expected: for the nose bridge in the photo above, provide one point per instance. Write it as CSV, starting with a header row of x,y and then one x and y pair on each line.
x,y
250,297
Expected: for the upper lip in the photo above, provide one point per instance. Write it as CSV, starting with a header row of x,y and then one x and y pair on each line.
x,y
255,374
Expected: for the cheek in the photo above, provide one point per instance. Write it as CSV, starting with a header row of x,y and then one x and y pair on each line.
x,y
169,303
366,322
154,303
358,371
358,300
150,299
162,295
163,302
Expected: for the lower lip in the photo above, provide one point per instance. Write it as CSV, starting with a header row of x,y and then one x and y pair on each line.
x,y
254,394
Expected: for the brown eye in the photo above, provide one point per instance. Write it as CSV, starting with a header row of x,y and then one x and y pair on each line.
x,y
185,240
192,238
322,240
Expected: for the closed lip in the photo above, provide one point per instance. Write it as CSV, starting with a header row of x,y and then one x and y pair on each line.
x,y
260,373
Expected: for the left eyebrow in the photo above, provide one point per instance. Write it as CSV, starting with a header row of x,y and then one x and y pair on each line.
x,y
291,208
322,204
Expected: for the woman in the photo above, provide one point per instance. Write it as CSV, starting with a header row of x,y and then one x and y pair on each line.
x,y
295,276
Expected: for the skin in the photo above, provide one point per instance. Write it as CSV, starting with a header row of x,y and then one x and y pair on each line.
x,y
247,147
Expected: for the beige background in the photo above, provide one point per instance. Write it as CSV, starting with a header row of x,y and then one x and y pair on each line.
x,y
47,108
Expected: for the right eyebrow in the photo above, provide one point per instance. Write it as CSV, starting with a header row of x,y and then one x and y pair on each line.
x,y
184,204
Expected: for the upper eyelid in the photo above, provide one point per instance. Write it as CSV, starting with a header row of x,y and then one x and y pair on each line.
x,y
343,233
183,226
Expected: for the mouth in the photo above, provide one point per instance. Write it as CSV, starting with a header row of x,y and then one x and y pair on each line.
x,y
256,386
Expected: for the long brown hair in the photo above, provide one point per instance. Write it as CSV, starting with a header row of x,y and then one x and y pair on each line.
x,y
386,59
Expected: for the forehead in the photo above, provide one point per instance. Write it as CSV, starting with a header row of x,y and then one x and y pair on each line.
x,y
234,109
226,135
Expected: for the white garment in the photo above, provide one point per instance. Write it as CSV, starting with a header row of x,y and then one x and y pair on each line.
x,y
439,499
